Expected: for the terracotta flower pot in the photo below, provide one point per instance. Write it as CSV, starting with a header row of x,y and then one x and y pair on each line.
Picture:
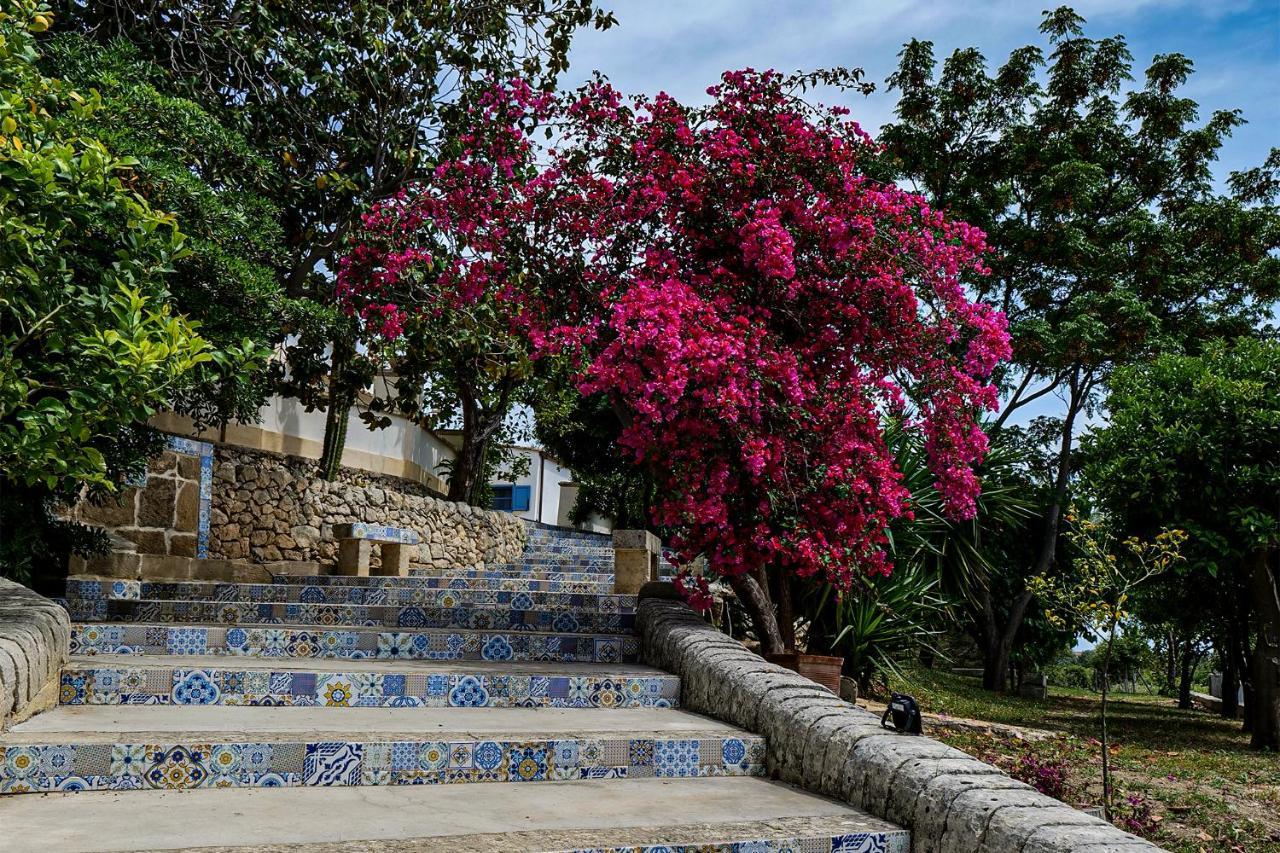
x,y
823,669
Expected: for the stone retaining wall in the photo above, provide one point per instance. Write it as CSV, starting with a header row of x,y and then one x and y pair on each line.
x,y
268,507
951,802
34,637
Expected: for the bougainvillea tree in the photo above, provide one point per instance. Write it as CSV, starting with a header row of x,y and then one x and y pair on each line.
x,y
754,307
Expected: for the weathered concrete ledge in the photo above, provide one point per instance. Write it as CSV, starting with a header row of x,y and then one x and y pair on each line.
x,y
34,637
950,801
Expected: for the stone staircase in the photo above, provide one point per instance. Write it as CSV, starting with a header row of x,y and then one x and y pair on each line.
x,y
495,709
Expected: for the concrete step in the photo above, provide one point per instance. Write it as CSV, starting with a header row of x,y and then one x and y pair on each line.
x,y
318,747
191,680
478,617
340,593
618,815
292,641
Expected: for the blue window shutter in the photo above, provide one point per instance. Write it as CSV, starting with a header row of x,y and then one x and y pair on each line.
x,y
501,499
520,498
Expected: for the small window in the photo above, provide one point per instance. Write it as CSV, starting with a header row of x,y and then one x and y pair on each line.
x,y
510,498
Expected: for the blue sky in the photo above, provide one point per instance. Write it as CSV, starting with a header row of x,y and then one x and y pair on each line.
x,y
682,46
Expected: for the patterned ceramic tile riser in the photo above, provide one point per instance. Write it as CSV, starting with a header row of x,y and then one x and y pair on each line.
x,y
894,841
479,618
87,684
188,765
424,579
315,593
500,573
358,643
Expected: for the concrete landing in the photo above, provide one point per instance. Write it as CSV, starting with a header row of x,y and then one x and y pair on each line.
x,y
552,816
109,723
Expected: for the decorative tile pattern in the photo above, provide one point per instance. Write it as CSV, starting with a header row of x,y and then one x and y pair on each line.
x,y
315,592
182,766
376,533
357,643
562,620
88,685
891,841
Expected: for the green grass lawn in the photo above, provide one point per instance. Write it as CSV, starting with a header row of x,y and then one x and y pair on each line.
x,y
1187,778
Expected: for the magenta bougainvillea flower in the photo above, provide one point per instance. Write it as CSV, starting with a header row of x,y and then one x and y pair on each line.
x,y
751,302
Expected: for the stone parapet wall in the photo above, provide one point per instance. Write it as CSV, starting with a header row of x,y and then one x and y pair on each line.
x,y
34,638
950,801
268,507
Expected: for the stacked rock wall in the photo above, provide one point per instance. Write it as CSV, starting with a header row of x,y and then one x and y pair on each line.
x,y
268,507
950,801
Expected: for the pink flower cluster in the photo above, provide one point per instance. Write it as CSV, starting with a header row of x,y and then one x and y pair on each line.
x,y
750,301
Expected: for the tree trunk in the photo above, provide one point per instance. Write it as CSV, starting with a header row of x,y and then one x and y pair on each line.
x,y
1230,707
1265,703
1170,662
341,398
779,586
755,598
1186,668
468,465
1106,748
999,645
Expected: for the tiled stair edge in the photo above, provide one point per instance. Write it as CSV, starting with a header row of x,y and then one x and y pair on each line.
x,y
34,641
948,800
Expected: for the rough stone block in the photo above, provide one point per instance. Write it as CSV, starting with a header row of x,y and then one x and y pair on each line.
x,y
156,503
934,804
116,511
188,467
1010,828
147,541
183,545
186,516
913,776
1099,838
395,559
353,557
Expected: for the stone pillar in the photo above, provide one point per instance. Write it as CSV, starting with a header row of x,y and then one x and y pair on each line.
x,y
635,560
395,559
353,557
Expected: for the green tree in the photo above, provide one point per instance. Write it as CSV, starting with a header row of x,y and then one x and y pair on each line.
x,y
1193,443
352,99
1110,241
191,166
90,347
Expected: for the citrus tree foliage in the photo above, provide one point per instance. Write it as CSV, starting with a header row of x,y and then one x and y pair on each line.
x,y
1193,443
748,301
191,166
1095,191
89,344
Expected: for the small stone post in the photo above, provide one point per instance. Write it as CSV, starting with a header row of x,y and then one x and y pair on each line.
x,y
395,559
635,560
353,557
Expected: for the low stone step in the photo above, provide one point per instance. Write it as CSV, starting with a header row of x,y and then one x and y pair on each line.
x,y
343,593
732,814
479,617
292,641
562,747
192,680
